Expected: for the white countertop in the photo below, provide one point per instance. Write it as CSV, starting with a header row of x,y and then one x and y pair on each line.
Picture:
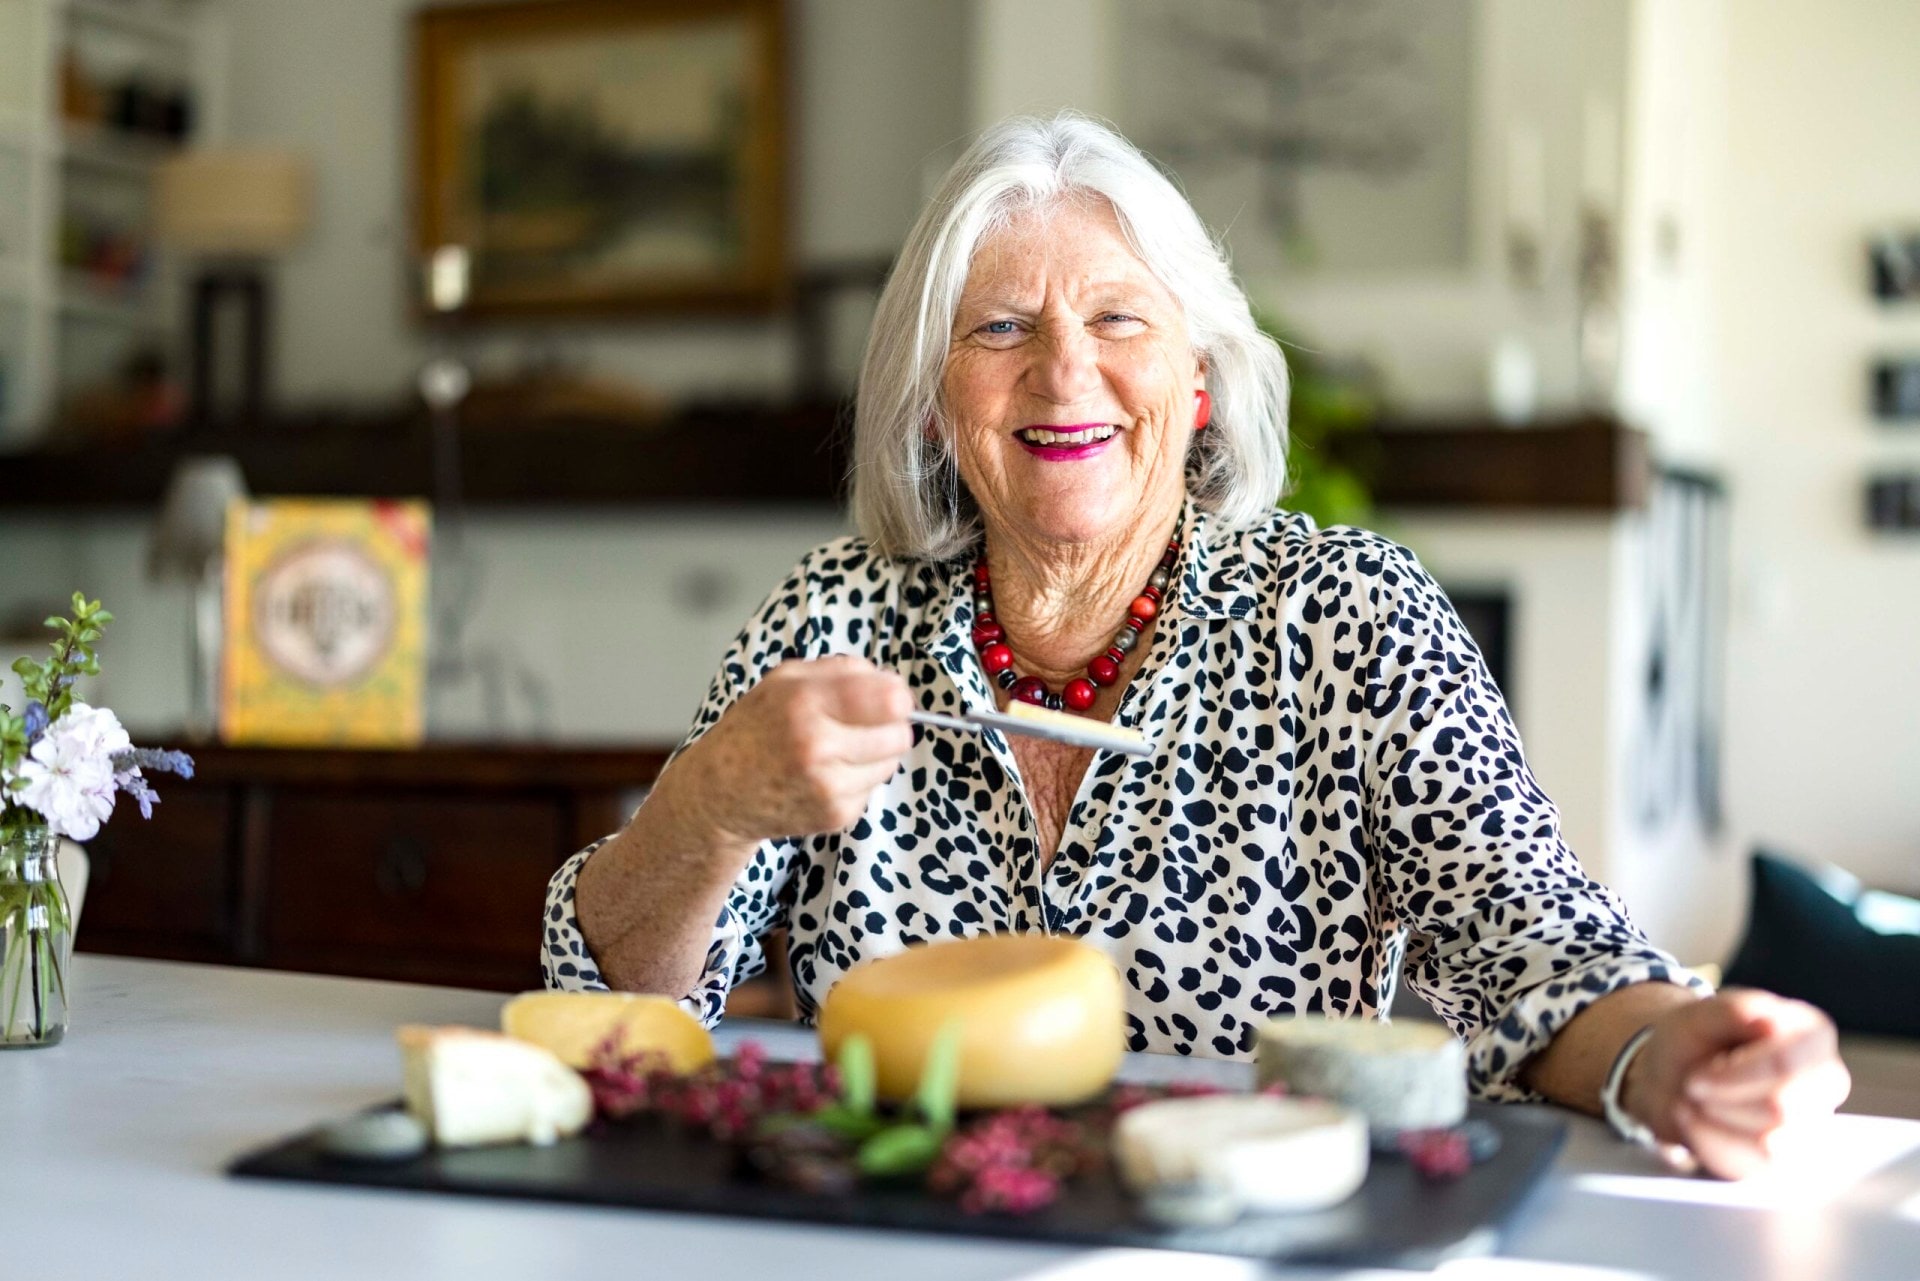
x,y
115,1141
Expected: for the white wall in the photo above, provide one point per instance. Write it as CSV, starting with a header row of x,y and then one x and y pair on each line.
x,y
1823,735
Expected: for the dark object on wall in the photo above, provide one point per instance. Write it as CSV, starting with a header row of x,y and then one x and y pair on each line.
x,y
1896,388
1675,772
1814,933
1894,263
1893,503
599,156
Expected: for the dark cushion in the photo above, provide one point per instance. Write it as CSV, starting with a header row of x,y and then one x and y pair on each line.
x,y
1813,932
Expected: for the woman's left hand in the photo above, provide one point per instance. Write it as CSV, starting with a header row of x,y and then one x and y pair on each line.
x,y
1728,1076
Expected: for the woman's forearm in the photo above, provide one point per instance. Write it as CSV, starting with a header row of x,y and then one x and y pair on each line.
x,y
647,899
1575,1063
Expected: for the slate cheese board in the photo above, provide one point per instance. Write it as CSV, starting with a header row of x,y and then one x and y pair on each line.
x,y
1397,1219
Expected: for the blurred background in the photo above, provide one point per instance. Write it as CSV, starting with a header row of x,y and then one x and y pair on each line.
x,y
1609,308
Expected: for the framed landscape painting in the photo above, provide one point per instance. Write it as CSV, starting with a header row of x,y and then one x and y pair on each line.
x,y
597,156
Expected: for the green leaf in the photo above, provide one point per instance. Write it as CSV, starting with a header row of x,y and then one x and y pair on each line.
x,y
856,1074
848,1124
25,668
940,1078
899,1150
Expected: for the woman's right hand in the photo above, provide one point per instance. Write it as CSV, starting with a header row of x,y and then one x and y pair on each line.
x,y
801,752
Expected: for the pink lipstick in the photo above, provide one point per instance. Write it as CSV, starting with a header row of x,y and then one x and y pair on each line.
x,y
1054,450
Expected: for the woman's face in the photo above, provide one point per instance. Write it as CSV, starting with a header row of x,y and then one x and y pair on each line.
x,y
1062,329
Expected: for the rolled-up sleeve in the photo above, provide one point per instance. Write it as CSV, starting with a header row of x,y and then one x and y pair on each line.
x,y
1509,938
761,895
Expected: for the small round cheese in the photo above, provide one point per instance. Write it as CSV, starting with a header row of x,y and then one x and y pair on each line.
x,y
375,1136
1269,1154
1400,1076
575,1024
1042,1019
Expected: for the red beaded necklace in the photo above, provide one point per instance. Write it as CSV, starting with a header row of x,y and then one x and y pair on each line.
x,y
990,639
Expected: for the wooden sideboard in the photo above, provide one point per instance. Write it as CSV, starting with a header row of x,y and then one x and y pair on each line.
x,y
427,865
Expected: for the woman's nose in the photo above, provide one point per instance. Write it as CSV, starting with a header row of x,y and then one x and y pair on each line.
x,y
1066,366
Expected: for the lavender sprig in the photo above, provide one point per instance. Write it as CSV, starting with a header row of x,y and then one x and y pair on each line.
x,y
159,760
132,784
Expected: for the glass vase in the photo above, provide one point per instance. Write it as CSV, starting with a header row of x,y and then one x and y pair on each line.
x,y
36,941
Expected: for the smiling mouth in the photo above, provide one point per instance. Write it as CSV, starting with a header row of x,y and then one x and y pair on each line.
x,y
1072,436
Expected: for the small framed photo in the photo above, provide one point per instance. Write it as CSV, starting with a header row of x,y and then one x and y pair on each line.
x,y
604,156
1896,388
1893,259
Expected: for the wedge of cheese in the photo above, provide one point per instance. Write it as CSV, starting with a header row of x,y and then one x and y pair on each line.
x,y
575,1024
1400,1076
1268,1154
1041,1018
470,1087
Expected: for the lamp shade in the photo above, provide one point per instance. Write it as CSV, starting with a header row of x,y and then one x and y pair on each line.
x,y
193,516
240,201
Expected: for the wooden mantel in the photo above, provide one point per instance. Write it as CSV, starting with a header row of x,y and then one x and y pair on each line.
x,y
752,454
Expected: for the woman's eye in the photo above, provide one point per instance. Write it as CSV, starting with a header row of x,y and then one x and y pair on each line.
x,y
1119,318
999,327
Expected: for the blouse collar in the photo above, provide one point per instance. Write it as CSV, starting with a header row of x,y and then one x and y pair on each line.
x,y
1215,583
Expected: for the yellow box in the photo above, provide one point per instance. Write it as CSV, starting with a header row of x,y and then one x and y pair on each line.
x,y
325,623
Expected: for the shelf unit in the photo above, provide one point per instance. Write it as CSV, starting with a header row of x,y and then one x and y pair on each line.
x,y
64,329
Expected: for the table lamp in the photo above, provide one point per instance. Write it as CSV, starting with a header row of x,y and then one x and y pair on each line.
x,y
233,208
189,542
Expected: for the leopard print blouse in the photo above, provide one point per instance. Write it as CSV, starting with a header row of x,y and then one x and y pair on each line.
x,y
1336,796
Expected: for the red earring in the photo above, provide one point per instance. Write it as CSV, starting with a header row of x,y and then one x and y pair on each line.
x,y
1204,414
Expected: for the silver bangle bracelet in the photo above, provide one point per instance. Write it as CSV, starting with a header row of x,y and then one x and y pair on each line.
x,y
1623,1124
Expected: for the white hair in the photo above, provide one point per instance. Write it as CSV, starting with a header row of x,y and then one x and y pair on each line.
x,y
907,497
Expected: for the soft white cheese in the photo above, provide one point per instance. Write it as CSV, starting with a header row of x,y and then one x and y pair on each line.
x,y
1400,1076
1270,1154
470,1087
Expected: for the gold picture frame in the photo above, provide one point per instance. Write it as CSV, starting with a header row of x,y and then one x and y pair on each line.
x,y
597,157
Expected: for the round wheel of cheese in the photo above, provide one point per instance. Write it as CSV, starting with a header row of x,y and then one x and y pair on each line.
x,y
1401,1076
1042,1019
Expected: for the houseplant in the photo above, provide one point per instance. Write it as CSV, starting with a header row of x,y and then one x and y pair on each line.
x,y
62,763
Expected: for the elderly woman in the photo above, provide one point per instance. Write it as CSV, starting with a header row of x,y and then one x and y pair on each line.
x,y
1069,442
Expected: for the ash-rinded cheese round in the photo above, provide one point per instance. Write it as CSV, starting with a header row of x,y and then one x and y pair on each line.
x,y
1270,1154
1400,1076
1042,1019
